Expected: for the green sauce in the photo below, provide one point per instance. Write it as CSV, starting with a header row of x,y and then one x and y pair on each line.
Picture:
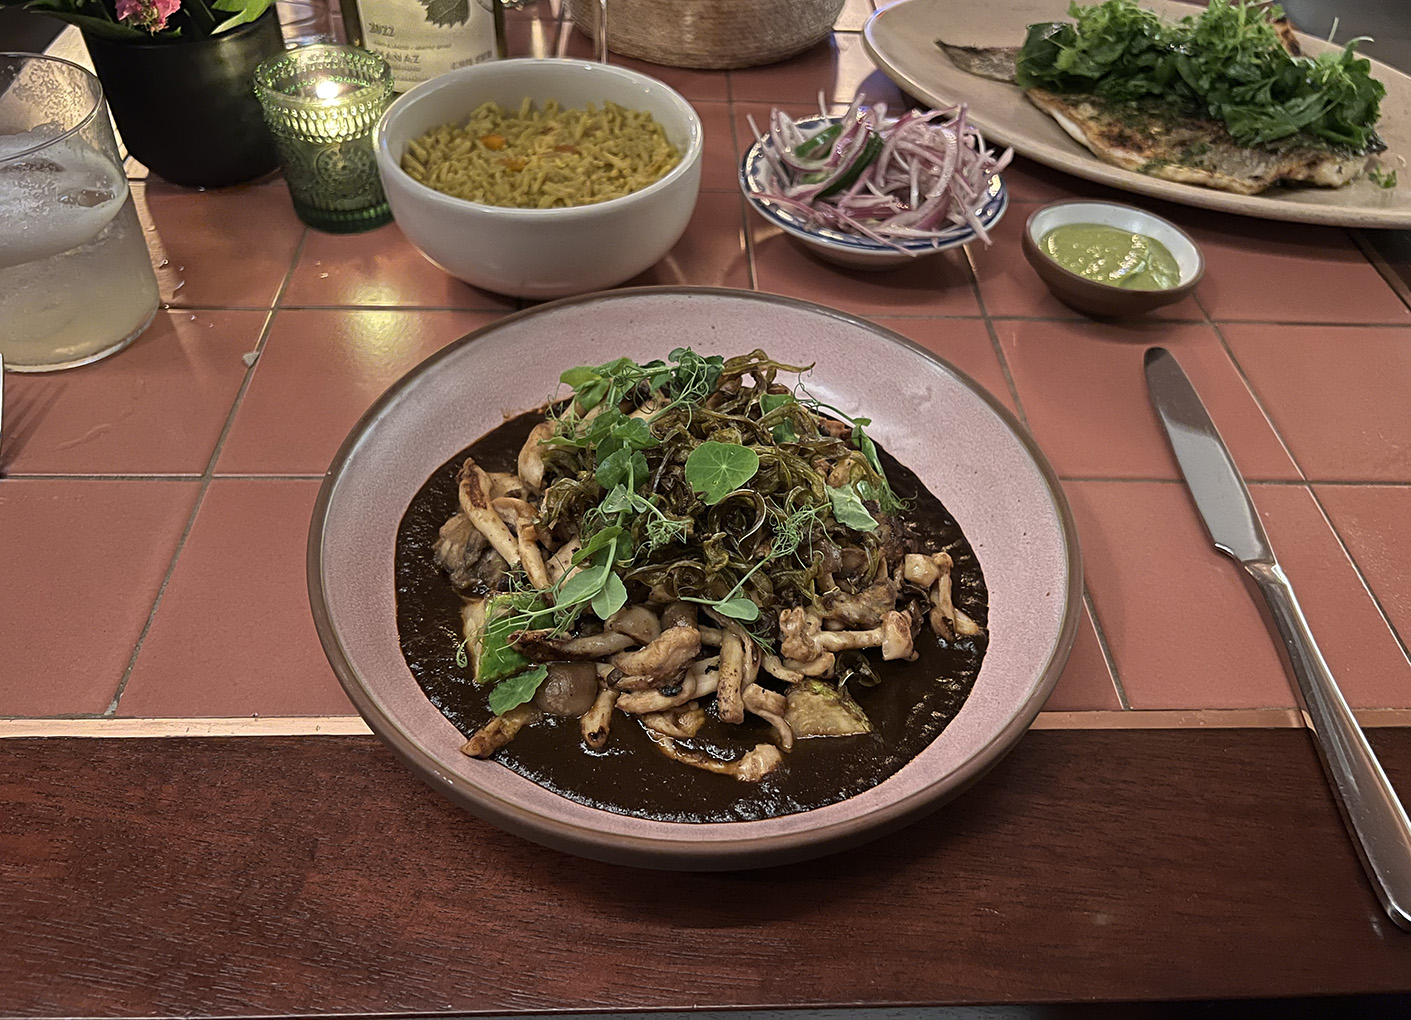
x,y
1112,256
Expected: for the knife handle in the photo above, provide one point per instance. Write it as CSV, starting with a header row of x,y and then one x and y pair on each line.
x,y
1378,822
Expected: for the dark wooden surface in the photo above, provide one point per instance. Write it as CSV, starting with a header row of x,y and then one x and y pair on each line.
x,y
316,875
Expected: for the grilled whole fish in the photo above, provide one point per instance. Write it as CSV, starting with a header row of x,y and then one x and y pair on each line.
x,y
1152,140
1191,150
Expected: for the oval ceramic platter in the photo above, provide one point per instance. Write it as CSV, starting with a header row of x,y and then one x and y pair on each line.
x,y
853,250
964,446
902,41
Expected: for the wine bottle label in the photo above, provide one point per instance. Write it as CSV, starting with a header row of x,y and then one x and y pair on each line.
x,y
424,38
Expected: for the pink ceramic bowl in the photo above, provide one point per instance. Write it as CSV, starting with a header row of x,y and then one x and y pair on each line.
x,y
963,444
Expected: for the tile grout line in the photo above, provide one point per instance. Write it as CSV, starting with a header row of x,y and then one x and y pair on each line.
x,y
1088,603
1306,483
1254,394
1106,650
747,235
995,345
206,477
1381,265
1361,577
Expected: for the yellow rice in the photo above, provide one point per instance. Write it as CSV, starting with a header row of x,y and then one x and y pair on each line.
x,y
543,158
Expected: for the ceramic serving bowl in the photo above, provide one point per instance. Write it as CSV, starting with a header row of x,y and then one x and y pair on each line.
x,y
854,251
1105,300
962,444
541,253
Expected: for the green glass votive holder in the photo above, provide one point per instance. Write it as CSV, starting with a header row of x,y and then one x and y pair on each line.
x,y
321,104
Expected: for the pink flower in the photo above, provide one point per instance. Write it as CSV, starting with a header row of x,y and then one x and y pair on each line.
x,y
149,14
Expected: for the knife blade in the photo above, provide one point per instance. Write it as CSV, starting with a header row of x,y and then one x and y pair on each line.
x,y
1374,816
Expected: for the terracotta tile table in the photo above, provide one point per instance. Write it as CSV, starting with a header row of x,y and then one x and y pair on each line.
x,y
194,821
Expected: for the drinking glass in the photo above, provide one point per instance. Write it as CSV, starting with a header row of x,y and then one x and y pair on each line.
x,y
321,104
76,282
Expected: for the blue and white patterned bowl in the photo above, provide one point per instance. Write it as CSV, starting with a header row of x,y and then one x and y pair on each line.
x,y
851,250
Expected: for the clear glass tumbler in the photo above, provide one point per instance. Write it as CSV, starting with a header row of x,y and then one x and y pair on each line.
x,y
76,282
321,104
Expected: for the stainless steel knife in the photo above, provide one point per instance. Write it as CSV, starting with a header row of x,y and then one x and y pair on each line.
x,y
1369,805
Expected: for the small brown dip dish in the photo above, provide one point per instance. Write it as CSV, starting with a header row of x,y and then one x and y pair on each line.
x,y
1105,300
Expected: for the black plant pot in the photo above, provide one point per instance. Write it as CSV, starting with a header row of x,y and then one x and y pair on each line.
x,y
187,109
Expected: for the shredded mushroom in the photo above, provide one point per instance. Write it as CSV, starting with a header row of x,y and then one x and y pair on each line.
x,y
711,541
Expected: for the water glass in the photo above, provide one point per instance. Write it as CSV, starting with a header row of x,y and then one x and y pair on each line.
x,y
76,282
321,104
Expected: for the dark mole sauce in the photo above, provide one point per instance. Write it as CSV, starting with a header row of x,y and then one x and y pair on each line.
x,y
908,709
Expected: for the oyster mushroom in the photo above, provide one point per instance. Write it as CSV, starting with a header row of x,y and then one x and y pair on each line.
x,y
771,707
637,622
473,490
597,721
754,766
561,562
805,639
524,517
543,646
459,545
499,731
864,609
682,722
934,574
531,456
668,655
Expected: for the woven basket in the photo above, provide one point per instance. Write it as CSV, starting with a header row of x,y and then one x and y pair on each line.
x,y
712,34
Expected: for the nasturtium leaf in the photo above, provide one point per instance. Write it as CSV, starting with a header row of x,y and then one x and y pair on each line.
x,y
738,609
774,401
848,509
612,598
516,690
717,469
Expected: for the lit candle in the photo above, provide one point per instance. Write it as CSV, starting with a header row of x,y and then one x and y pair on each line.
x,y
321,103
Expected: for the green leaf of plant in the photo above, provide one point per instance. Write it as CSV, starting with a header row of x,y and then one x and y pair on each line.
x,y
848,509
613,471
599,541
784,431
246,11
516,690
612,598
600,429
447,12
580,376
592,394
718,469
498,658
738,609
617,500
635,433
582,586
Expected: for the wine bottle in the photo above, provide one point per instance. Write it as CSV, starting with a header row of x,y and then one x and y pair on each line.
x,y
422,38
